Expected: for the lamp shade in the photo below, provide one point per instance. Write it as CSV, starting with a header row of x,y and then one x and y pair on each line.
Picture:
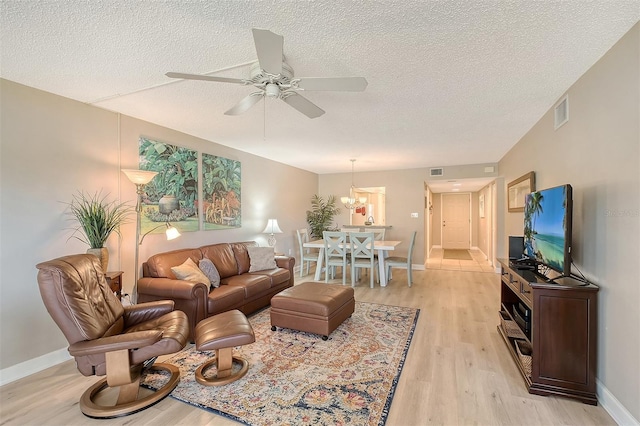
x,y
139,177
272,227
172,232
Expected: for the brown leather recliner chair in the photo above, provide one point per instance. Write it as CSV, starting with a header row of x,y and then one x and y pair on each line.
x,y
108,339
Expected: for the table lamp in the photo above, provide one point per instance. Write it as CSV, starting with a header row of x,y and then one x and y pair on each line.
x,y
272,228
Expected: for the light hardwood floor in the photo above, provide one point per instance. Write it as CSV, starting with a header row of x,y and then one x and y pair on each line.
x,y
457,372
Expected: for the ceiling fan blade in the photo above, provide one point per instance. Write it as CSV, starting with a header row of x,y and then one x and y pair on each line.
x,y
346,84
269,50
204,77
303,105
245,103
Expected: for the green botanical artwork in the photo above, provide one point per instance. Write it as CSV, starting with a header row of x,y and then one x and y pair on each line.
x,y
221,193
172,195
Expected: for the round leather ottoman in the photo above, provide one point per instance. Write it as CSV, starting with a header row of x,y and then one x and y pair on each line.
x,y
222,333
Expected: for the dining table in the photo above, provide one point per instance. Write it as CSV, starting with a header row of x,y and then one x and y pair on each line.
x,y
382,247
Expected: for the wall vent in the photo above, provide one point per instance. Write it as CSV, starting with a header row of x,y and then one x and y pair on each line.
x,y
436,172
561,112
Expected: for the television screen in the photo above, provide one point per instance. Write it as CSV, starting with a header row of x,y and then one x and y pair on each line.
x,y
547,227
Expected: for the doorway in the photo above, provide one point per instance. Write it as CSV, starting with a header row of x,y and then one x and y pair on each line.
x,y
456,221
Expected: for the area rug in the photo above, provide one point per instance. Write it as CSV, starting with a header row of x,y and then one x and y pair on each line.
x,y
297,378
456,254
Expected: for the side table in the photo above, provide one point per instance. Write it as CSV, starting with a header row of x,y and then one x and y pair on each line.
x,y
114,279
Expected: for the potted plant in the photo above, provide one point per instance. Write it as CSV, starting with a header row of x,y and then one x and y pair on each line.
x,y
97,219
321,215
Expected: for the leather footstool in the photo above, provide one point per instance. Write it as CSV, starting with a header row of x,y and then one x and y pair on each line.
x,y
221,333
313,307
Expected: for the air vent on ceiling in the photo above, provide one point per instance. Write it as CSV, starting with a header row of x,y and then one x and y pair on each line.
x,y
561,112
436,172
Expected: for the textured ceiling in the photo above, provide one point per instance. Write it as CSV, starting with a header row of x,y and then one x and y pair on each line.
x,y
450,82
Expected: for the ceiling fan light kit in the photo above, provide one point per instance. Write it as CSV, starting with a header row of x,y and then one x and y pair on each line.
x,y
275,79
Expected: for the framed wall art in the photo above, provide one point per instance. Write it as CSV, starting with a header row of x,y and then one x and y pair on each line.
x,y
517,189
172,195
221,193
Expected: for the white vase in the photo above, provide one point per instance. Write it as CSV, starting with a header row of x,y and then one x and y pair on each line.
x,y
103,254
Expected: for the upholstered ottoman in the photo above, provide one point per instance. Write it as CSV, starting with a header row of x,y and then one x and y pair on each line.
x,y
222,333
314,307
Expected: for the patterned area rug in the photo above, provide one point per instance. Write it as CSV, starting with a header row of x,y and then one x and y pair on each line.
x,y
456,254
298,378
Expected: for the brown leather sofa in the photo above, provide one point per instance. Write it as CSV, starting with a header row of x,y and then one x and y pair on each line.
x,y
239,288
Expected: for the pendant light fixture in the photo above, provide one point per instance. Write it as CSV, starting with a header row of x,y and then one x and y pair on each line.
x,y
351,202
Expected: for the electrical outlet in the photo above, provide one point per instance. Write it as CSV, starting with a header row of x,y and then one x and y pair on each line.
x,y
290,252
414,215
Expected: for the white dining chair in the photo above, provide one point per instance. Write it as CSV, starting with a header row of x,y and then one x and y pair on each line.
x,y
378,234
362,255
335,253
307,255
402,262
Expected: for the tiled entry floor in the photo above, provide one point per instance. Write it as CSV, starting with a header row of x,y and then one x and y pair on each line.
x,y
477,264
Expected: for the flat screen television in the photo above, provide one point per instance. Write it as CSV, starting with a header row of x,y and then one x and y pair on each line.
x,y
547,227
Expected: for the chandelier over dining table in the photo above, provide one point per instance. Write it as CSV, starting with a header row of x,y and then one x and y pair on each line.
x,y
351,202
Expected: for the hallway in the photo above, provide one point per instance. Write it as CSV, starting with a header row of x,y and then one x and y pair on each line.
x,y
477,264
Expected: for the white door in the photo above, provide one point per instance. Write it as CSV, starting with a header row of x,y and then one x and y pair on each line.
x,y
456,221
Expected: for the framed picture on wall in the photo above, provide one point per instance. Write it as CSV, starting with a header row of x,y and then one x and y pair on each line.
x,y
518,189
481,205
172,195
221,192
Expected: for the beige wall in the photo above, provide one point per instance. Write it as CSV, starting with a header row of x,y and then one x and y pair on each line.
x,y
436,221
598,153
483,233
404,194
53,147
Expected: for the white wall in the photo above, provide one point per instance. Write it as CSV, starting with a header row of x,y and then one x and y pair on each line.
x,y
52,147
598,153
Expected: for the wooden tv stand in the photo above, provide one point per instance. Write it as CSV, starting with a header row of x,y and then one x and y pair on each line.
x,y
562,335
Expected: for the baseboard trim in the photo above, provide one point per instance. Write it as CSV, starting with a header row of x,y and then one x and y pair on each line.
x,y
32,366
611,405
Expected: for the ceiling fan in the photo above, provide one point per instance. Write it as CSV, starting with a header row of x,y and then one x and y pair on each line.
x,y
275,79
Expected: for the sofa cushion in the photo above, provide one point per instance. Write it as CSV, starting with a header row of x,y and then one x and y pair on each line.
x,y
261,258
242,255
209,269
224,298
159,265
277,275
222,257
189,271
253,285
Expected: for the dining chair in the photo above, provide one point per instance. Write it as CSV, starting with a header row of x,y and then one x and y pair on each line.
x,y
335,253
378,234
402,262
306,254
362,255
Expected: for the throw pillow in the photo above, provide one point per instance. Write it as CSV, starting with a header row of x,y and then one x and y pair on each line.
x,y
261,258
189,271
210,270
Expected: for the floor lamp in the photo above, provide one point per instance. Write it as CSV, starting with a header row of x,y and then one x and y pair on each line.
x,y
141,178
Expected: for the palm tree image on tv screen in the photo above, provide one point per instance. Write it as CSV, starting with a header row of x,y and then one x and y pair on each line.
x,y
547,227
